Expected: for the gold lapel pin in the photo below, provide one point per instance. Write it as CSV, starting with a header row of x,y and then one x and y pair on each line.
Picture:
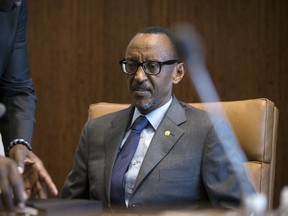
x,y
167,133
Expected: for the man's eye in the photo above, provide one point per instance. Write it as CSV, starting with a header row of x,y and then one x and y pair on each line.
x,y
131,64
153,65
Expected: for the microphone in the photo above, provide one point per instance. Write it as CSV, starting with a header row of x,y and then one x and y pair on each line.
x,y
2,109
192,46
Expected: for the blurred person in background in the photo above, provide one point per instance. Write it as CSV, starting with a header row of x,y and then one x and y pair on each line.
x,y
22,173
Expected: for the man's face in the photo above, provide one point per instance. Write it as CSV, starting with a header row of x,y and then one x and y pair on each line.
x,y
148,92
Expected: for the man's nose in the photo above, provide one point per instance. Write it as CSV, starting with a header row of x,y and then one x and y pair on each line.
x,y
140,74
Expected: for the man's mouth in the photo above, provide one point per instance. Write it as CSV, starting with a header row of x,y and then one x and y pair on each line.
x,y
140,91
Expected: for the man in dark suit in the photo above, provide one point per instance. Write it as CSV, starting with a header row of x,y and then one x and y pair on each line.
x,y
16,125
181,159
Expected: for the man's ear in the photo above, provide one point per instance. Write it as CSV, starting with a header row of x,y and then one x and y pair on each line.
x,y
178,73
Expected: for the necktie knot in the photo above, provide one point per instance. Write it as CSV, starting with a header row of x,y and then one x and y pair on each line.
x,y
140,123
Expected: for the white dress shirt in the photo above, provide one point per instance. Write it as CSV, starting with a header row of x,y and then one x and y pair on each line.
x,y
146,136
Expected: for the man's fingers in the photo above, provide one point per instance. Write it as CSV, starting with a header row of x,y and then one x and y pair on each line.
x,y
7,200
6,196
43,174
11,185
28,192
17,186
19,153
41,192
20,168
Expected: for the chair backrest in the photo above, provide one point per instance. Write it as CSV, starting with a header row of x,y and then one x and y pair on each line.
x,y
255,124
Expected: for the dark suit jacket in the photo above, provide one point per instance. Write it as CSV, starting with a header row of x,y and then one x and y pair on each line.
x,y
16,87
191,166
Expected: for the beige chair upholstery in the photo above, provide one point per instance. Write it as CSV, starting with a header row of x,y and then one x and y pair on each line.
x,y
255,125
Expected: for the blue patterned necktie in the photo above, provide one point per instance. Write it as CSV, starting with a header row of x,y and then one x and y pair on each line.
x,y
123,160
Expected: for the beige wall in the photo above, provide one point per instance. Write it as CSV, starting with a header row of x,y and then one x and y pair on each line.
x,y
75,46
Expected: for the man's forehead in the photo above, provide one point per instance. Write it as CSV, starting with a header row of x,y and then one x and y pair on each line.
x,y
149,41
150,37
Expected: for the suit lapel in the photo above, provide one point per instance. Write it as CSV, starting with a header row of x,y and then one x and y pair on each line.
x,y
166,136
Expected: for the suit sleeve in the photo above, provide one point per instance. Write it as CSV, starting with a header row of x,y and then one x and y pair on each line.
x,y
76,185
223,171
16,88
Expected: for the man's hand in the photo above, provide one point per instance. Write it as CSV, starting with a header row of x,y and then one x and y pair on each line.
x,y
11,186
35,175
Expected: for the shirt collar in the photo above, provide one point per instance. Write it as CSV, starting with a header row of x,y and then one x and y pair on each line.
x,y
154,117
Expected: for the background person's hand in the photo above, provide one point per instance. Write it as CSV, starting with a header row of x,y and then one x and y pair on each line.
x,y
11,186
35,176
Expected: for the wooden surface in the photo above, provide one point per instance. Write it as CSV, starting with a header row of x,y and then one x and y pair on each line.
x,y
75,46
